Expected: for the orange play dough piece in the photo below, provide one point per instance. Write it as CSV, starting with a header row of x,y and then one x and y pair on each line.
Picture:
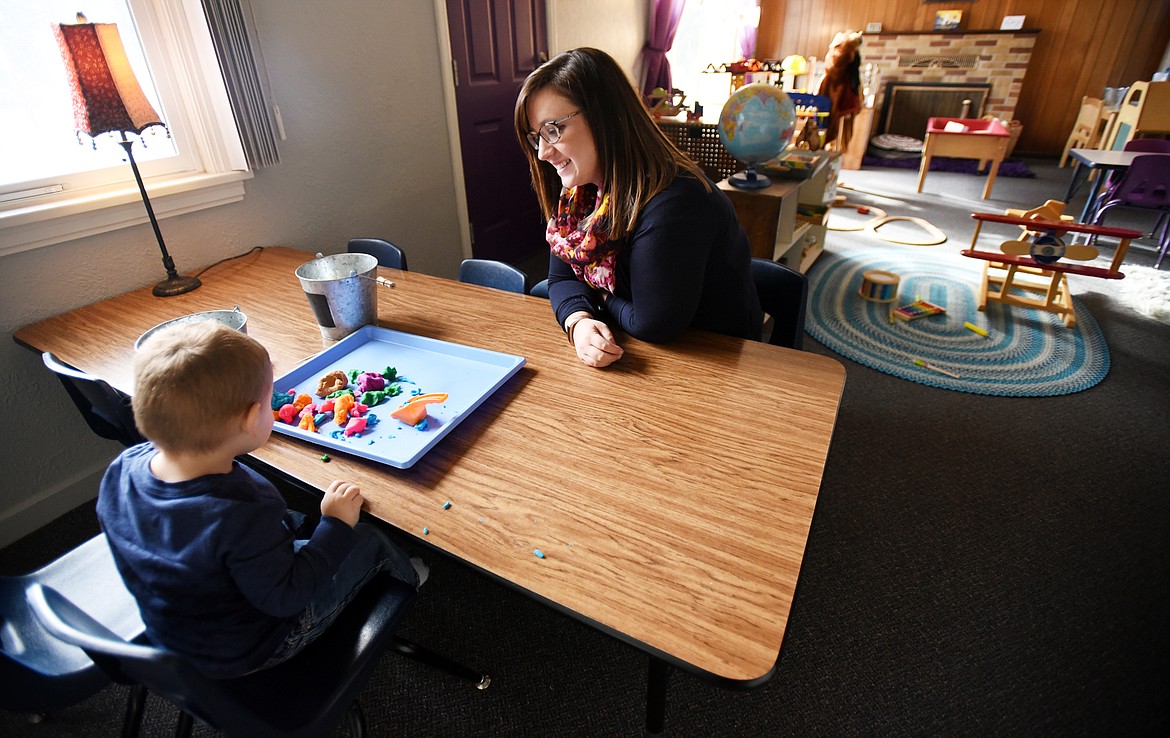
x,y
415,409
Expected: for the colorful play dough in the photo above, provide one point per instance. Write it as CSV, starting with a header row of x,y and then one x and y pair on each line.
x,y
414,410
280,399
368,381
341,408
332,382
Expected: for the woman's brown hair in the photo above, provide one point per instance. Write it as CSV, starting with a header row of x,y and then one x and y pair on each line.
x,y
637,159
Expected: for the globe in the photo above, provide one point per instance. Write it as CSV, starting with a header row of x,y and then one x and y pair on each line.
x,y
755,125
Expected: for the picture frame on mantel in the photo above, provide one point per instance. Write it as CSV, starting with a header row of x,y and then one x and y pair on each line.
x,y
948,20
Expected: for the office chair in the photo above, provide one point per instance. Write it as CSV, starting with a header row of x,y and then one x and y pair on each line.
x,y
305,696
495,274
106,410
783,292
387,254
540,289
40,673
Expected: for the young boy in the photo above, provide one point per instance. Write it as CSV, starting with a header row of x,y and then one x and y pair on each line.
x,y
207,546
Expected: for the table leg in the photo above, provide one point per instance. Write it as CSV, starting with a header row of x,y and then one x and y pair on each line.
x,y
656,680
992,170
1076,181
922,167
1093,192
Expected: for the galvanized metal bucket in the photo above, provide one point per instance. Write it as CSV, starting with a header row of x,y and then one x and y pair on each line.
x,y
342,292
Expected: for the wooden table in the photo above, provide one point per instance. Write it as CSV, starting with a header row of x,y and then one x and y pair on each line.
x,y
672,493
1088,161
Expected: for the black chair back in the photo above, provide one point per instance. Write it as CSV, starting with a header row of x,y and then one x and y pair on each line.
x,y
387,254
495,274
40,673
540,289
783,292
106,410
308,695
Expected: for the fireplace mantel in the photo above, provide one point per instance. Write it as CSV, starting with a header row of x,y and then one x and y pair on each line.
x,y
998,58
960,32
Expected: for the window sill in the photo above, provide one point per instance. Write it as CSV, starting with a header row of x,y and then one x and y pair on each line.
x,y
65,218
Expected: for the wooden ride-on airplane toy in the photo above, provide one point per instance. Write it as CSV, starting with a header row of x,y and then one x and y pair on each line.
x,y
1040,252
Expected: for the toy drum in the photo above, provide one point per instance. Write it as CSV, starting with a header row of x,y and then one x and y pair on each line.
x,y
879,286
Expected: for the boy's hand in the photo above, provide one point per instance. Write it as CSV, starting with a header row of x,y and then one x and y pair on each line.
x,y
342,501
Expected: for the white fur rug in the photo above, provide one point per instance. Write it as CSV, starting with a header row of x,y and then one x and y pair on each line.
x,y
1146,291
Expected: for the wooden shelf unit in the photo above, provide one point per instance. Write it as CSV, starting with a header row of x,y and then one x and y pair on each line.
x,y
771,216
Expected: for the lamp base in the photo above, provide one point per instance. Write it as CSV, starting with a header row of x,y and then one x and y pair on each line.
x,y
175,286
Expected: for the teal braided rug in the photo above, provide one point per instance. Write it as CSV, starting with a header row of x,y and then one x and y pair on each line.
x,y
1027,353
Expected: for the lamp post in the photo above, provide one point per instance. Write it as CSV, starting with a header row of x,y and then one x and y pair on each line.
x,y
108,99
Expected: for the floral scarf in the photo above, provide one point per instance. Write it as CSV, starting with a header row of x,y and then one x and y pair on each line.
x,y
576,234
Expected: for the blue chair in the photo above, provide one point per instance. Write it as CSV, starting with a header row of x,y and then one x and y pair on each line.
x,y
42,674
783,292
308,695
540,289
106,410
495,274
387,254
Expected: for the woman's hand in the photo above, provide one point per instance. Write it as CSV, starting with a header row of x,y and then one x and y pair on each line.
x,y
593,341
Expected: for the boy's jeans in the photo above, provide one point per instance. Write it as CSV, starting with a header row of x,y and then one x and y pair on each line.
x,y
372,553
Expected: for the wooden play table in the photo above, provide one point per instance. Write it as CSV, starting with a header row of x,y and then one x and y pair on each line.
x,y
967,138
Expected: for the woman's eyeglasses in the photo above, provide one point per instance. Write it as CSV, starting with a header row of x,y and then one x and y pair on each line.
x,y
550,132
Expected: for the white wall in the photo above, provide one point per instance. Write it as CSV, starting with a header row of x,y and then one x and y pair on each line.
x,y
367,154
617,27
360,86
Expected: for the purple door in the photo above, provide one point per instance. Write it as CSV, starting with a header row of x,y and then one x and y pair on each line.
x,y
496,44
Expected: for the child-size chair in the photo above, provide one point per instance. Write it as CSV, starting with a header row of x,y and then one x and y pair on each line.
x,y
1145,186
308,695
1086,131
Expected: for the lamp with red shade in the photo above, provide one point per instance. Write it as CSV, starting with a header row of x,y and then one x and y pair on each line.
x,y
108,99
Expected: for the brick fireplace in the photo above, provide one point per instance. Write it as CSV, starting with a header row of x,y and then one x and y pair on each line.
x,y
961,58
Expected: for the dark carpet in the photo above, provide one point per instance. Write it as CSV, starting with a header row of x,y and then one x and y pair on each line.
x,y
977,566
1007,168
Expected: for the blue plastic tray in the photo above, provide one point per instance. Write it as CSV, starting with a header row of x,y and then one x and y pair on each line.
x,y
467,375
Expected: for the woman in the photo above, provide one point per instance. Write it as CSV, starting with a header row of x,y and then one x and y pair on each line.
x,y
637,233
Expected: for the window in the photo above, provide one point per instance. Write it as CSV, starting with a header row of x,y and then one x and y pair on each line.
x,y
709,33
53,188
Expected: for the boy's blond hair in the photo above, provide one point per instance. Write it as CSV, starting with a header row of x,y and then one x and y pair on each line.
x,y
192,380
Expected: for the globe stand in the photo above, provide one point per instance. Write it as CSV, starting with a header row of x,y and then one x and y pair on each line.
x,y
749,179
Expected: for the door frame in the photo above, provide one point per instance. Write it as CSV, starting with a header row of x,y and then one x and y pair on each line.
x,y
447,75
451,110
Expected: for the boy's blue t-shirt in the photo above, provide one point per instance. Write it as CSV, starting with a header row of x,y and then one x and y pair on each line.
x,y
211,561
